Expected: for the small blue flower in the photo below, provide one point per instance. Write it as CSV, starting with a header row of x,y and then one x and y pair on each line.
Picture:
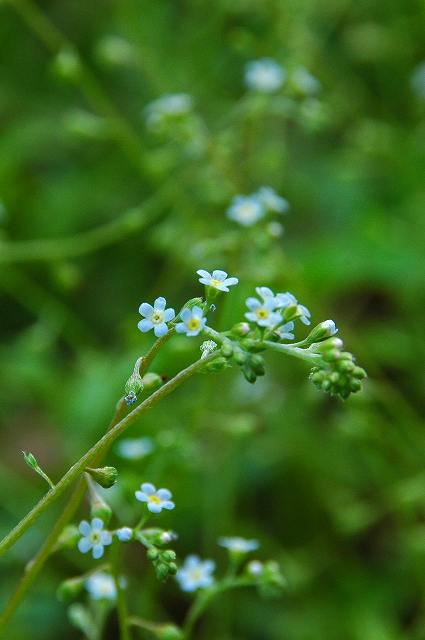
x,y
193,321
169,107
134,448
156,500
217,279
94,537
286,299
238,545
305,82
263,313
155,317
272,201
101,586
246,210
195,574
264,75
124,534
285,331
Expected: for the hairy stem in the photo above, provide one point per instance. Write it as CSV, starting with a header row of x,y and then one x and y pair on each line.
x,y
99,449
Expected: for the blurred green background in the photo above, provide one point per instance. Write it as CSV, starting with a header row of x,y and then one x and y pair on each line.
x,y
334,491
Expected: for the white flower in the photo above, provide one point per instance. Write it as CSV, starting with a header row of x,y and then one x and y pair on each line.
x,y
134,448
195,574
217,279
272,201
275,229
255,568
246,210
124,534
264,313
193,321
101,586
167,536
264,75
238,545
155,317
94,537
156,500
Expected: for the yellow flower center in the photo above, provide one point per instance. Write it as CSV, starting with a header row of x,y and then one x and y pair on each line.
x,y
262,313
154,499
157,316
193,324
215,282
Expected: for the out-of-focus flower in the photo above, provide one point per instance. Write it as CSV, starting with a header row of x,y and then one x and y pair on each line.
x,y
263,313
272,201
134,448
236,544
156,500
168,107
167,536
155,317
94,537
217,279
264,75
304,81
255,568
246,210
101,586
124,534
195,574
193,321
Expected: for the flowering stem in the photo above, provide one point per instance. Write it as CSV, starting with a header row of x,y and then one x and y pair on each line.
x,y
36,564
296,352
99,449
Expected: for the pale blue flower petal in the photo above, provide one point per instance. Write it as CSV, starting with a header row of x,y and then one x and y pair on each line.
x,y
106,538
169,314
218,274
84,545
97,551
146,309
160,303
168,504
97,524
160,330
84,528
204,274
141,496
185,314
253,303
148,488
154,508
180,327
145,325
164,494
229,282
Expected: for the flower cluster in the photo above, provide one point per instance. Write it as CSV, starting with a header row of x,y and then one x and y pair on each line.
x,y
264,75
338,373
274,309
195,574
247,210
156,500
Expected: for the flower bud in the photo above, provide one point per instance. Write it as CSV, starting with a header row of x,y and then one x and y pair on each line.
x,y
257,364
291,312
168,632
161,571
67,64
240,357
105,476
172,568
168,555
322,331
134,384
227,349
71,588
152,553
255,346
241,329
151,381
249,374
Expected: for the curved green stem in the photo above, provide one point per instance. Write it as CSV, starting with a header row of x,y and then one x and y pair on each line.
x,y
295,352
85,242
99,449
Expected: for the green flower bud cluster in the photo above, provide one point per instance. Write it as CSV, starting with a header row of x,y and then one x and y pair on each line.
x,y
246,356
339,374
163,562
267,577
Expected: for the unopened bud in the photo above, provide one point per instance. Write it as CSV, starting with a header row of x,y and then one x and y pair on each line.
x,y
152,553
105,476
168,632
134,384
241,329
67,64
162,571
321,332
168,555
151,381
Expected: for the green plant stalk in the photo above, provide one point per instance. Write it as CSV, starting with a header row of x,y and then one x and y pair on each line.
x,y
99,449
122,611
36,564
55,41
82,243
295,352
204,598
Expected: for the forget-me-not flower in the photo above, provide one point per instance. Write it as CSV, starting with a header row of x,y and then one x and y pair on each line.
x,y
285,331
263,313
286,299
156,500
101,586
155,317
217,279
264,75
193,321
124,534
94,537
236,544
272,201
134,448
246,210
195,574
169,106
